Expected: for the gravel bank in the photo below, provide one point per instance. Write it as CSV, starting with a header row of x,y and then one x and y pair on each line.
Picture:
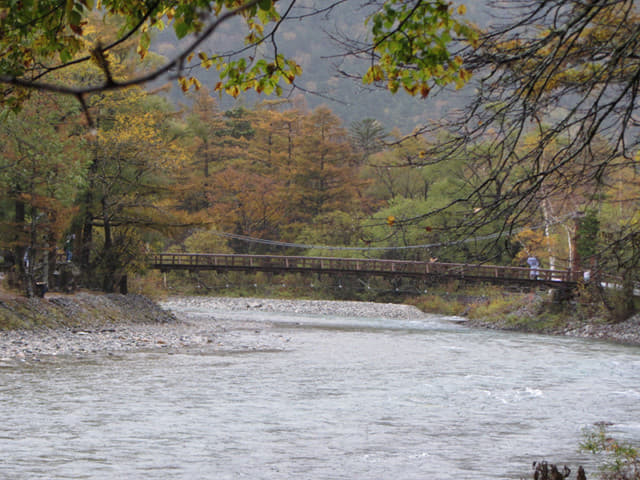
x,y
85,324
627,332
219,305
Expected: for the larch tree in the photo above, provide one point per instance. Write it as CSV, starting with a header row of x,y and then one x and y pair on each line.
x,y
209,148
249,204
324,171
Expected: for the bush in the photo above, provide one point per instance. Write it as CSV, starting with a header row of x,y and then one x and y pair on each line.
x,y
621,460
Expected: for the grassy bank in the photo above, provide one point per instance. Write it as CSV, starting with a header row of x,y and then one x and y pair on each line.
x,y
81,310
523,311
534,312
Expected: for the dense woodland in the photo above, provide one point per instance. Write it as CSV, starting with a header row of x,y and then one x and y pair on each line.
x,y
153,177
542,162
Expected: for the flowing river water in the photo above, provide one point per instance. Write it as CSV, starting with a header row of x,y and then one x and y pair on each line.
x,y
340,398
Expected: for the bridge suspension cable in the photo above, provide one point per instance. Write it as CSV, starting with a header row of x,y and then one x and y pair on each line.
x,y
277,243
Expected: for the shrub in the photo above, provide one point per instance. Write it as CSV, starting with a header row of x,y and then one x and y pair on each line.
x,y
622,461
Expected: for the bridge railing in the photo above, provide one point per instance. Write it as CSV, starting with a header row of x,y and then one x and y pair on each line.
x,y
380,266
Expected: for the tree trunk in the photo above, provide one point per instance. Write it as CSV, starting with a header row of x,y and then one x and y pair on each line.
x,y
86,240
30,257
571,246
547,232
108,280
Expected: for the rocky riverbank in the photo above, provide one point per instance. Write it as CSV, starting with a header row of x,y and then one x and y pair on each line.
x,y
627,332
88,324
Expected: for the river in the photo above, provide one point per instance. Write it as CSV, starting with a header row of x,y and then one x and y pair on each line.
x,y
340,398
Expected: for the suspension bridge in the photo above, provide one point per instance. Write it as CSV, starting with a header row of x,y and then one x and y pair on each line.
x,y
428,271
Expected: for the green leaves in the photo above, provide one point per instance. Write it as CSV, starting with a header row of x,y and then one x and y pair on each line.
x,y
262,75
181,28
411,46
410,50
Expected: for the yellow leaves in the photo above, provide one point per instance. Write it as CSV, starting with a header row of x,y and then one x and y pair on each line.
x,y
251,38
462,9
534,242
374,74
463,77
141,51
258,28
187,83
206,61
411,89
509,45
233,90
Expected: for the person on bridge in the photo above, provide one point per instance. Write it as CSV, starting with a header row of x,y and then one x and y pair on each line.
x,y
534,265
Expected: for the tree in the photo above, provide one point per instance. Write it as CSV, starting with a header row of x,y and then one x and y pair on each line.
x,y
248,204
323,173
41,169
587,237
216,138
41,41
367,136
393,173
565,72
408,47
129,188
335,228
277,126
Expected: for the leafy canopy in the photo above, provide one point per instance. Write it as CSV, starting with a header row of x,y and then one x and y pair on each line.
x,y
409,43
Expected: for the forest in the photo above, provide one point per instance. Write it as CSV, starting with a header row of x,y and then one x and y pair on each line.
x,y
542,162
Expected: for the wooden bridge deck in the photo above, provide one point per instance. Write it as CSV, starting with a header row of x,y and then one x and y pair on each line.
x,y
435,271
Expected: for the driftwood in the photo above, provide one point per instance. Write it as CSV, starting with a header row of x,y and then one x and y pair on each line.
x,y
545,471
